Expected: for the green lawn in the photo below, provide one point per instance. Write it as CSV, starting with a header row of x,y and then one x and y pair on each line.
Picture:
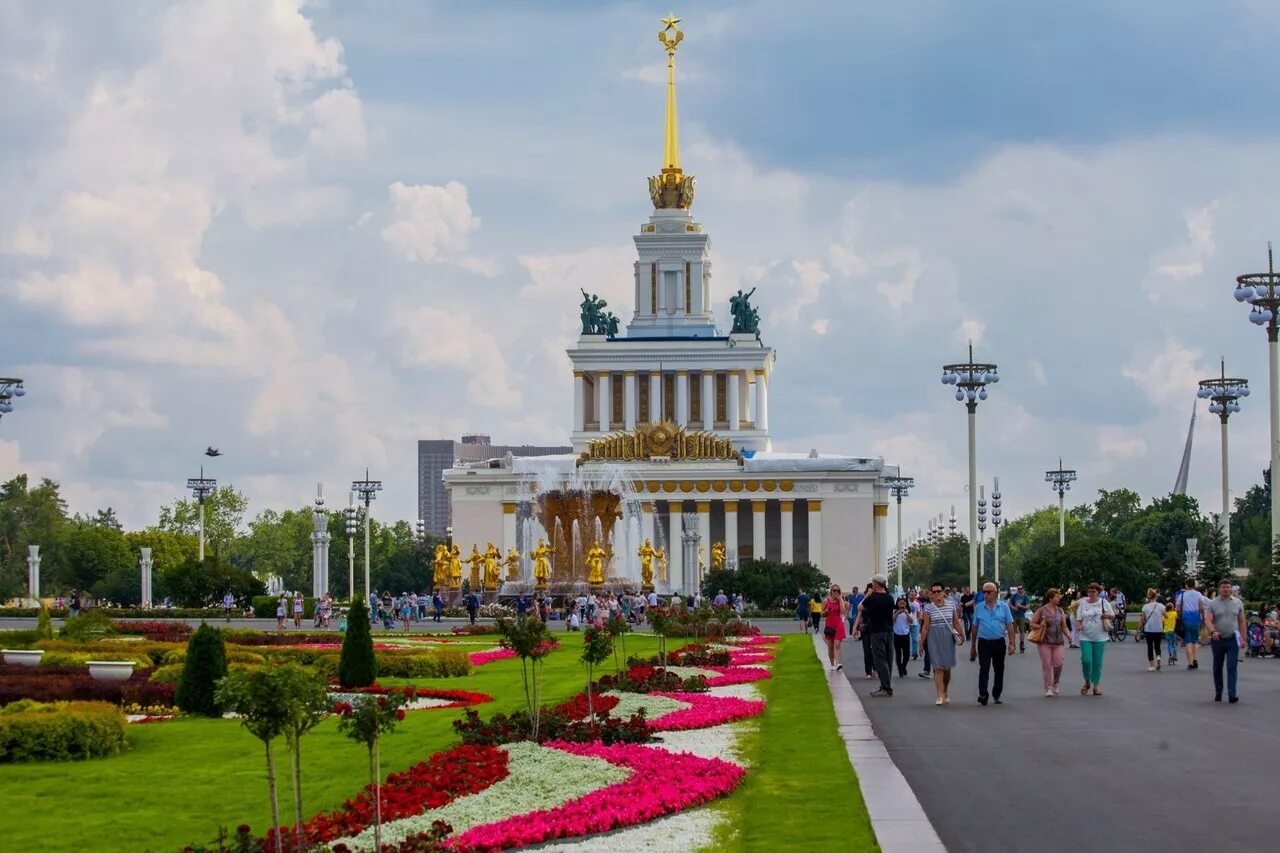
x,y
801,791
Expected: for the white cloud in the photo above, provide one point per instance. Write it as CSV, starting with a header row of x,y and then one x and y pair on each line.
x,y
1169,375
1176,268
970,332
429,223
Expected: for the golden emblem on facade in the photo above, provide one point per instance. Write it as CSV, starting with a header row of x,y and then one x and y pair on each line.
x,y
663,439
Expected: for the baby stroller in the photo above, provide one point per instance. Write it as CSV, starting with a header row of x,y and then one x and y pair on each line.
x,y
1255,635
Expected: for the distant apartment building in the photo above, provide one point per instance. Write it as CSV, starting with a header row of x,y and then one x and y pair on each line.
x,y
437,454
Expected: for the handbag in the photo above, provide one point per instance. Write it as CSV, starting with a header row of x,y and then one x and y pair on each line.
x,y
1108,622
1038,630
829,631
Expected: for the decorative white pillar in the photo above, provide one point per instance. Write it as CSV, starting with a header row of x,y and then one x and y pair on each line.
x,y
33,573
731,403
675,546
708,400
655,396
788,532
691,540
604,402
757,530
630,401
731,530
144,563
881,513
579,401
682,397
762,402
509,539
815,532
319,546
743,397
704,537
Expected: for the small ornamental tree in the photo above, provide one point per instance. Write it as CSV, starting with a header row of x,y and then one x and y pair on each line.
x,y
618,629
358,666
366,720
528,638
206,663
661,620
254,695
306,696
597,646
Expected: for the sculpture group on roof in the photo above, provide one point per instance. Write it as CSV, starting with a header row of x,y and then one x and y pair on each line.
x,y
596,320
746,319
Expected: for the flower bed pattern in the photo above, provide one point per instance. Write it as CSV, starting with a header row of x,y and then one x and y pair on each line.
x,y
491,655
704,711
446,698
747,657
735,675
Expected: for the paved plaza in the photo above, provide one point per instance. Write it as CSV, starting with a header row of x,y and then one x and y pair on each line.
x,y
1144,761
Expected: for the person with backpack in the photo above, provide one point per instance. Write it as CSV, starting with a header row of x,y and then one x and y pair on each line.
x,y
473,606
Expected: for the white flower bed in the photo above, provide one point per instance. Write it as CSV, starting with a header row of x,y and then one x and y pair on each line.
x,y
539,778
677,833
715,742
749,691
416,705
654,706
691,671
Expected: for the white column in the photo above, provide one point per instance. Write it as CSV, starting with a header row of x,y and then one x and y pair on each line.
x,y
509,536
630,400
973,496
144,563
744,397
762,401
815,532
682,397
732,404
731,529
1224,520
704,534
675,545
604,401
655,396
33,573
788,532
757,530
708,400
579,401
880,513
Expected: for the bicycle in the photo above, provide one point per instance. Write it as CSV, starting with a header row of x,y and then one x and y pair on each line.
x,y
1119,629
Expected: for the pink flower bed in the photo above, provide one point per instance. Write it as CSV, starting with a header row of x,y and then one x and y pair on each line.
x,y
748,656
705,712
660,783
482,658
735,675
762,640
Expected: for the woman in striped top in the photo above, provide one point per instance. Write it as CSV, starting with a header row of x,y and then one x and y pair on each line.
x,y
941,630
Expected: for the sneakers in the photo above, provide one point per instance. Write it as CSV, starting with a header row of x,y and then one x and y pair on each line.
x,y
1233,699
1055,690
1049,692
1157,664
982,700
1151,667
925,674
839,667
880,693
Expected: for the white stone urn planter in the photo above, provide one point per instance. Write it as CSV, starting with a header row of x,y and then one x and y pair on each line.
x,y
22,657
111,670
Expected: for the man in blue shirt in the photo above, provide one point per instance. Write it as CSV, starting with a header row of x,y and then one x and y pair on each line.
x,y
1018,604
855,598
992,627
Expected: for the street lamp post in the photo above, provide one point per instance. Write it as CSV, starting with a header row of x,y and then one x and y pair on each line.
x,y
352,515
899,487
1060,480
368,490
1224,395
971,379
1262,291
996,521
201,487
982,531
319,545
10,387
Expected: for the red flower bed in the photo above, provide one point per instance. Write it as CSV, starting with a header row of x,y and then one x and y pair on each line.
x,y
491,655
65,684
457,698
155,630
430,784
757,640
706,711
576,708
660,783
645,678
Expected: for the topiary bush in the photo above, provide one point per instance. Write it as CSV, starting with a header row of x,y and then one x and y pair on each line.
x,y
33,731
44,625
205,665
88,626
358,666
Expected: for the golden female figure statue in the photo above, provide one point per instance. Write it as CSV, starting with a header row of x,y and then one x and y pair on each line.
x,y
595,564
541,565
455,567
661,556
513,564
717,556
491,557
646,555
441,561
476,561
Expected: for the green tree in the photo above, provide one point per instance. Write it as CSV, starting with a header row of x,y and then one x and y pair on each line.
x,y
358,666
597,647
223,515
1251,525
168,551
204,667
307,697
528,638
766,583
90,554
1165,525
1215,565
196,584
254,695
366,720
1263,584
278,544
29,516
1113,510
1028,536
1103,560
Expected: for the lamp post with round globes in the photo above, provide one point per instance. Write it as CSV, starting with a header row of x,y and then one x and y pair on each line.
x,y
970,379
982,531
368,490
996,521
1060,481
10,387
899,487
1224,395
1262,291
352,517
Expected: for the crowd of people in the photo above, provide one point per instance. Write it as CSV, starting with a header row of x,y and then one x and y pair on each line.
x,y
931,624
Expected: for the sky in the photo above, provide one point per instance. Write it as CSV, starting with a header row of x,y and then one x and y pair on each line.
x,y
312,233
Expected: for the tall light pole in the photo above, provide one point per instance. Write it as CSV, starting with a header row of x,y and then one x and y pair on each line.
x,y
319,545
982,531
1262,291
10,387
996,521
368,490
352,514
971,379
1060,480
899,487
201,487
1224,396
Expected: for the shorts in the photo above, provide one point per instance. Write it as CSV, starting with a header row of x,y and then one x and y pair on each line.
x,y
1190,630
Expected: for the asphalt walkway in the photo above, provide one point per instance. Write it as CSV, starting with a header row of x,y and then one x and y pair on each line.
x,y
1153,763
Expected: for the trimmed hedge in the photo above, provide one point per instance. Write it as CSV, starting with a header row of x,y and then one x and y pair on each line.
x,y
234,655
54,684
129,612
35,731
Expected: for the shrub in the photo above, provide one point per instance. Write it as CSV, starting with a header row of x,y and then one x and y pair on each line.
x,y
233,655
205,665
358,666
643,678
698,655
44,625
33,731
161,631
474,630
567,722
72,659
53,684
89,625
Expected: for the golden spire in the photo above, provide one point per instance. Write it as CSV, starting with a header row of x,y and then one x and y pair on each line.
x,y
670,188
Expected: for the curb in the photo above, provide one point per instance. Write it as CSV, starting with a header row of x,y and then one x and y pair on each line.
x,y
897,818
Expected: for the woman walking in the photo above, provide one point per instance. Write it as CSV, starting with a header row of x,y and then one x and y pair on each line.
x,y
1053,639
1094,615
941,631
834,608
901,635
1153,629
816,609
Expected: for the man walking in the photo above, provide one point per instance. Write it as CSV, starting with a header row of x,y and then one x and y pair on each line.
x,y
1224,616
992,627
1191,609
966,611
1018,604
876,620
